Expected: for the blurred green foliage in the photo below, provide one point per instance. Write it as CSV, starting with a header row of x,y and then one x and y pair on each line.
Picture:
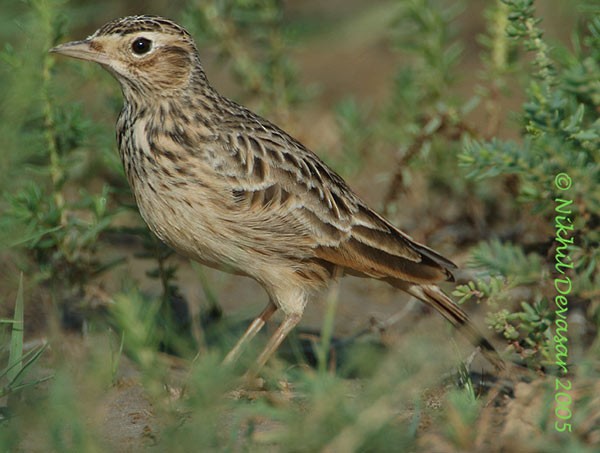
x,y
252,37
14,375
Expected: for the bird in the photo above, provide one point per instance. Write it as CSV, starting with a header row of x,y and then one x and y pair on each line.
x,y
227,188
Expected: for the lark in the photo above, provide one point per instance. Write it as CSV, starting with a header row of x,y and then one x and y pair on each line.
x,y
228,188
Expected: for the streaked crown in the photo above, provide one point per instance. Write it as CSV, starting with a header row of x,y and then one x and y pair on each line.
x,y
135,24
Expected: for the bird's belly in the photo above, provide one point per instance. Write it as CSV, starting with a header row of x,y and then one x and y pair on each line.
x,y
195,213
181,219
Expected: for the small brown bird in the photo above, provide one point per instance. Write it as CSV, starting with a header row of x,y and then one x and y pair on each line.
x,y
225,187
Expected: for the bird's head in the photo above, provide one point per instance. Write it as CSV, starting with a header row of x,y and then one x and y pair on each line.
x,y
147,54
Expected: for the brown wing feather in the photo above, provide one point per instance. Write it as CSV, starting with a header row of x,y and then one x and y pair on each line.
x,y
364,260
378,249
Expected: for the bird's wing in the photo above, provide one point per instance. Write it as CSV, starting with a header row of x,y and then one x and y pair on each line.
x,y
271,173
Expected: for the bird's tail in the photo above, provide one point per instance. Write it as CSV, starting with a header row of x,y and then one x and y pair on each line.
x,y
433,296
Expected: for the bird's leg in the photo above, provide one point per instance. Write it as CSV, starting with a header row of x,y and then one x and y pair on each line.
x,y
289,322
252,330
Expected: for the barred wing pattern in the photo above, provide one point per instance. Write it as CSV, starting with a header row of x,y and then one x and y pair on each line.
x,y
269,170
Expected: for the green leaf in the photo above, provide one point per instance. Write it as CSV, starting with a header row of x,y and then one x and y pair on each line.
x,y
16,338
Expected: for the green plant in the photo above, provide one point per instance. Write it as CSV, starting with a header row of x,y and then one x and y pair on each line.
x,y
252,37
19,362
60,232
560,134
356,134
425,30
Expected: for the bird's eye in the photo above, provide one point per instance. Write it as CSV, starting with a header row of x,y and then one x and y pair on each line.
x,y
141,46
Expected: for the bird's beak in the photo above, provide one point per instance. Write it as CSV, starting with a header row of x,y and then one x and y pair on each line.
x,y
84,50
